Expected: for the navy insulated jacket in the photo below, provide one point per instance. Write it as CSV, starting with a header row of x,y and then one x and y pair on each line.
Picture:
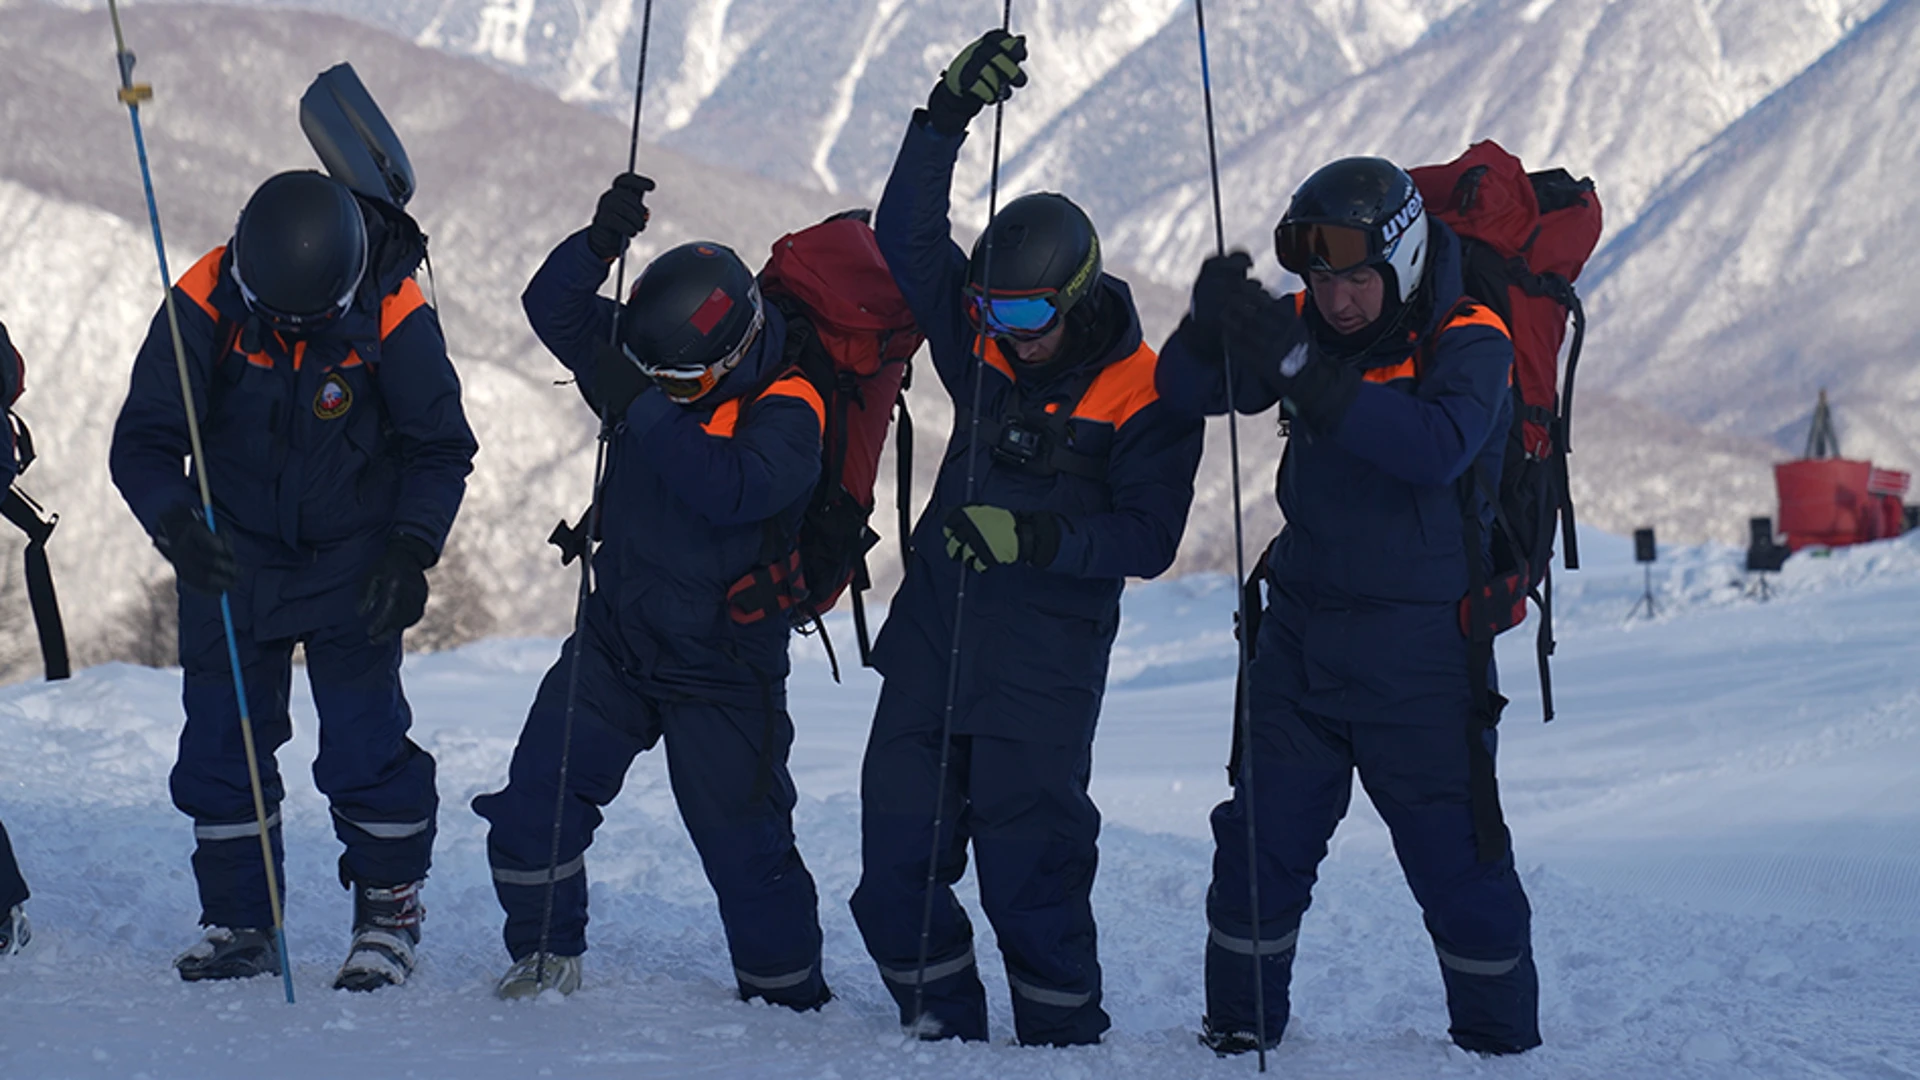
x,y
1035,640
1373,511
317,449
691,493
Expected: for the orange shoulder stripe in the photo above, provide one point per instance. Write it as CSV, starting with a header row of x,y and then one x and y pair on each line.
x,y
1121,390
397,305
723,420
797,386
1477,315
1299,302
198,283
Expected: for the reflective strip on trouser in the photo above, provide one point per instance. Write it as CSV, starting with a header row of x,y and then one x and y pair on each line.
x,y
367,767
209,781
530,878
1244,946
714,762
379,783
387,830
776,982
1023,808
1488,968
239,830
1039,995
946,969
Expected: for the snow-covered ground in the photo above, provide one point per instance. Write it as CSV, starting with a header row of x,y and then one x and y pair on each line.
x,y
1720,833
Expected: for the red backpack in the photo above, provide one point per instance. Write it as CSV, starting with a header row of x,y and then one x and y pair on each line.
x,y
1524,239
850,332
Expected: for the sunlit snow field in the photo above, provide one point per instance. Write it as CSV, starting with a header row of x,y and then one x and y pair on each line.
x,y
1720,833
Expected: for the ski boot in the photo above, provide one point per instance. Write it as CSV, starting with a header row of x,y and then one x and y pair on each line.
x,y
228,952
15,931
530,976
386,927
1229,1043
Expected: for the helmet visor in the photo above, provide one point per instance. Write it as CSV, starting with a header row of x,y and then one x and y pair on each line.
x,y
684,383
1333,249
1024,317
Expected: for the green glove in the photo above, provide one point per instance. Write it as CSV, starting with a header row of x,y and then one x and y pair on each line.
x,y
989,536
987,69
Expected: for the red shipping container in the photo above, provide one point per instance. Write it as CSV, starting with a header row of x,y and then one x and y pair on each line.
x,y
1834,501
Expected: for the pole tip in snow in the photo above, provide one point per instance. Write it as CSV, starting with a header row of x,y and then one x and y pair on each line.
x,y
286,969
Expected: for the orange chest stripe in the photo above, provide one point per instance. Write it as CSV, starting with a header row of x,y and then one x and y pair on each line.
x,y
1121,390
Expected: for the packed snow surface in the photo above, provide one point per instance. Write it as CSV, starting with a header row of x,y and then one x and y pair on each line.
x,y
1720,832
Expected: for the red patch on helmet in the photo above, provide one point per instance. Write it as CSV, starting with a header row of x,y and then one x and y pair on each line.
x,y
709,314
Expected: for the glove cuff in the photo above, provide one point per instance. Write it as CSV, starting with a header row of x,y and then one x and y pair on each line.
x,y
949,113
1039,533
1205,342
413,548
597,240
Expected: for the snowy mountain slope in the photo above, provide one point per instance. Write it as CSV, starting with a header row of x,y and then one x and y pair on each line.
x,y
1794,235
722,74
78,284
1621,91
506,170
1718,835
1141,127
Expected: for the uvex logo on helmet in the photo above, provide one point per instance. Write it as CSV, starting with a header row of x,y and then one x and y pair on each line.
x,y
1396,226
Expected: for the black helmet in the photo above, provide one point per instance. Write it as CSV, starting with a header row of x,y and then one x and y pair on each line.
x,y
300,250
691,316
1046,259
1355,212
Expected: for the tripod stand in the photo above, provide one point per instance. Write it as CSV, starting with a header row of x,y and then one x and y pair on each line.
x,y
1646,596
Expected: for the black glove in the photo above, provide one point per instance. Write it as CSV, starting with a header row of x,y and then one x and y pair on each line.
x,y
395,595
983,74
987,536
1267,336
616,382
1318,389
621,215
202,559
1223,289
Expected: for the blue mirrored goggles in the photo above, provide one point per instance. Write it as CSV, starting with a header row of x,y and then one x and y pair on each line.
x,y
1022,318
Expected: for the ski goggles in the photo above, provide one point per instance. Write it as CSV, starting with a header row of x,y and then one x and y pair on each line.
x,y
1020,316
1303,247
293,322
684,384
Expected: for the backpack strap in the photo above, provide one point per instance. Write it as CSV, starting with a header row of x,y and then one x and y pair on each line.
x,y
777,583
1256,609
34,520
1490,834
903,474
23,452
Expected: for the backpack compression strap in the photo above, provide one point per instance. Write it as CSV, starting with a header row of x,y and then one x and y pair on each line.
x,y
33,520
